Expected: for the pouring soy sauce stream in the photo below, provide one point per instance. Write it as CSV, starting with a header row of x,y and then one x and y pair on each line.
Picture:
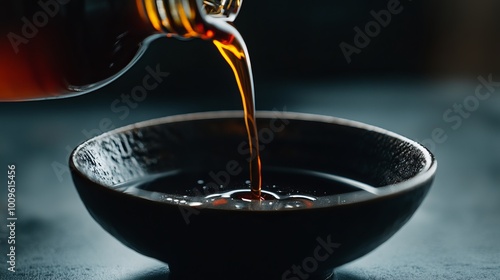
x,y
236,55
60,48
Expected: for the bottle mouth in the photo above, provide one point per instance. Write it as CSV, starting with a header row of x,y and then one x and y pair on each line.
x,y
225,9
188,18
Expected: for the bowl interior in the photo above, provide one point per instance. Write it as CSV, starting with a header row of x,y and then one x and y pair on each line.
x,y
207,143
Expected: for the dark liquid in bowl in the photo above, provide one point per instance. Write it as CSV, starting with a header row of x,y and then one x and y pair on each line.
x,y
282,189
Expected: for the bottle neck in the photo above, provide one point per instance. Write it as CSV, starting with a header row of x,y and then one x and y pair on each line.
x,y
187,18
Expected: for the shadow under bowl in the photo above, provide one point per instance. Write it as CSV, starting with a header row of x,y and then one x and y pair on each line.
x,y
205,242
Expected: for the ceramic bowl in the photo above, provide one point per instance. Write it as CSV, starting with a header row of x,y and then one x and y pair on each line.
x,y
391,175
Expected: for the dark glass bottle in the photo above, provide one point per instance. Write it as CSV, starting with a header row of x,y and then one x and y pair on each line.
x,y
54,48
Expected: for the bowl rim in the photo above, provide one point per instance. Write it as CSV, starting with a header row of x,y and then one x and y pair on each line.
x,y
425,175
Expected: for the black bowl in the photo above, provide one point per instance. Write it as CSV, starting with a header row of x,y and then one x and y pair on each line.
x,y
203,242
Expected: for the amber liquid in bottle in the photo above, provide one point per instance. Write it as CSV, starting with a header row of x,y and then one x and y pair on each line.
x,y
64,47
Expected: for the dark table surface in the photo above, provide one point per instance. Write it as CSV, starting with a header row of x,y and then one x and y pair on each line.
x,y
455,234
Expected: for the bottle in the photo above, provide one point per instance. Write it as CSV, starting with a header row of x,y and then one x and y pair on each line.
x,y
56,48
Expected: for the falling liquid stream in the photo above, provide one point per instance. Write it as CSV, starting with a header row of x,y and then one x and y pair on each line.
x,y
235,53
